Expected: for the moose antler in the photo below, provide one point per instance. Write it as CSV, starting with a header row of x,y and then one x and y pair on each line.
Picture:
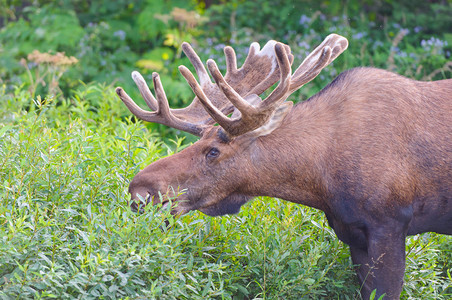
x,y
252,116
258,73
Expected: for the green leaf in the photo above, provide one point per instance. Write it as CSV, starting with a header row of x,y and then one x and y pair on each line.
x,y
372,295
4,129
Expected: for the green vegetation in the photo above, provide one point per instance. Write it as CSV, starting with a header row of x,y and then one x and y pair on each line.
x,y
68,148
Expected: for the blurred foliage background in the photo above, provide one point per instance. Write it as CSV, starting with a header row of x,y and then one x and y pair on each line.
x,y
109,39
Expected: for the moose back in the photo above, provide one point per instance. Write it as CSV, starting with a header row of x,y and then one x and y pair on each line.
x,y
372,150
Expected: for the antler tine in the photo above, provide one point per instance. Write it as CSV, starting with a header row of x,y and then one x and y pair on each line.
x,y
144,90
278,94
316,68
237,101
197,64
163,106
231,61
214,112
323,55
255,48
256,55
132,106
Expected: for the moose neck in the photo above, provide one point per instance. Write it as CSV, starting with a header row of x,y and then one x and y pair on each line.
x,y
290,163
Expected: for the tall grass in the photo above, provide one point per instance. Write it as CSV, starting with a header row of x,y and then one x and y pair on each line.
x,y
66,230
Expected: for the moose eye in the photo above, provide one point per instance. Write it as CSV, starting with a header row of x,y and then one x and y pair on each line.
x,y
213,153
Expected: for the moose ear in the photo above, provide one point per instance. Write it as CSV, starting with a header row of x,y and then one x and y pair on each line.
x,y
274,122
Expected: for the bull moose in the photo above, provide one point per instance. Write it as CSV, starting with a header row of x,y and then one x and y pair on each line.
x,y
372,150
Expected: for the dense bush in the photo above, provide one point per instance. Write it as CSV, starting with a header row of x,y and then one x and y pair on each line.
x,y
68,148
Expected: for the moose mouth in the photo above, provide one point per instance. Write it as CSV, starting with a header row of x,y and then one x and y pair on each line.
x,y
227,206
138,205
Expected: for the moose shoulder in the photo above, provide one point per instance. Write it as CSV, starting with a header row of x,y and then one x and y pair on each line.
x,y
372,150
